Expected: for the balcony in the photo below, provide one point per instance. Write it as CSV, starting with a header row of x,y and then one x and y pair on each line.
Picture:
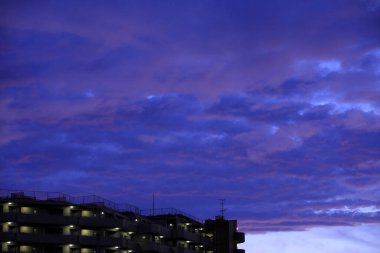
x,y
239,237
7,236
38,219
46,219
100,222
7,217
68,239
129,225
107,242
149,228
147,246
185,250
39,238
187,235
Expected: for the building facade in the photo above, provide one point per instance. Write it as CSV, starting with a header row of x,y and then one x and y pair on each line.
x,y
49,222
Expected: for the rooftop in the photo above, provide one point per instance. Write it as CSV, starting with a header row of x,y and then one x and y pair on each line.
x,y
90,199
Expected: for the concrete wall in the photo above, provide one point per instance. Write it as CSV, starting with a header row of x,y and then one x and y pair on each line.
x,y
26,229
25,249
27,210
4,246
86,213
86,250
66,230
87,232
66,211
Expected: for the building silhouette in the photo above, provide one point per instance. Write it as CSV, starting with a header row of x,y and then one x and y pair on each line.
x,y
56,222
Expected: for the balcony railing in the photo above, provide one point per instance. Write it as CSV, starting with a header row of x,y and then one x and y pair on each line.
x,y
39,238
151,228
186,235
68,239
185,250
39,219
148,246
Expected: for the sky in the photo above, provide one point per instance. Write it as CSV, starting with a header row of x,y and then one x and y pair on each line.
x,y
271,105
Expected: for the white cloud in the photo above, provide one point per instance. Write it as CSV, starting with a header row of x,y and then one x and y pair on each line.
x,y
375,52
321,67
350,210
326,67
328,98
150,97
90,94
274,129
357,239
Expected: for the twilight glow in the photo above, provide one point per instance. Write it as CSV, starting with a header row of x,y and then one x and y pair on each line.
x,y
273,105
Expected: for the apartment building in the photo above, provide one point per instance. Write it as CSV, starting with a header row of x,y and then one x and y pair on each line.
x,y
49,222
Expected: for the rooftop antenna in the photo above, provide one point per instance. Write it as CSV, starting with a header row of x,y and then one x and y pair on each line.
x,y
153,203
222,209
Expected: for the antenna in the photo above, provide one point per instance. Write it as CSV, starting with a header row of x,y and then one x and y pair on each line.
x,y
153,203
222,209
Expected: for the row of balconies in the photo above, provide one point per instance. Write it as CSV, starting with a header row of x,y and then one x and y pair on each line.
x,y
70,214
104,223
83,241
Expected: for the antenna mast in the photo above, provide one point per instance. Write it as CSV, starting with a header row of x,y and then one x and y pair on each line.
x,y
222,209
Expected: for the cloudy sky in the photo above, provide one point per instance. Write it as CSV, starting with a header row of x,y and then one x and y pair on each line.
x,y
272,105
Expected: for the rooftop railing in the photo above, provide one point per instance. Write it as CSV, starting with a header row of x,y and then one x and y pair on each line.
x,y
90,199
59,196
166,211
